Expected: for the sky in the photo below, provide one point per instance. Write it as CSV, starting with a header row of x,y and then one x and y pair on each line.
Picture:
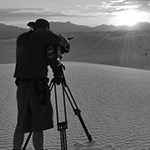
x,y
83,12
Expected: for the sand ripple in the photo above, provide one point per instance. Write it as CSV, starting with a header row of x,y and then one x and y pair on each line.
x,y
115,105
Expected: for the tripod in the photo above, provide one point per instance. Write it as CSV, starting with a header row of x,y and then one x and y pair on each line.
x,y
59,79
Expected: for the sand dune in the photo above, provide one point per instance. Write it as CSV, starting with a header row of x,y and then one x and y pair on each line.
x,y
114,102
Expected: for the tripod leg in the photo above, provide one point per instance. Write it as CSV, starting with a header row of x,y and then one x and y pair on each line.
x,y
56,103
63,139
77,111
83,124
64,101
61,126
51,85
27,141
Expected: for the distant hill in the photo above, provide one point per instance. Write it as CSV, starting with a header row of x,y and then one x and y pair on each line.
x,y
139,26
105,44
65,27
7,31
143,26
118,48
68,27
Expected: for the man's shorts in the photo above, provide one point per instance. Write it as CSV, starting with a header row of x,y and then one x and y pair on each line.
x,y
35,112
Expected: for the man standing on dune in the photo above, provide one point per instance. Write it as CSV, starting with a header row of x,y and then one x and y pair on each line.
x,y
35,113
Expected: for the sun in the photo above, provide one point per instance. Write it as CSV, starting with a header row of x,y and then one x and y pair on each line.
x,y
129,17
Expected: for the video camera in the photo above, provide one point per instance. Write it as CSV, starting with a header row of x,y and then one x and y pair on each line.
x,y
55,52
54,56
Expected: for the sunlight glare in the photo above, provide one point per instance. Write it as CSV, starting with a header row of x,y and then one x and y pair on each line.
x,y
129,17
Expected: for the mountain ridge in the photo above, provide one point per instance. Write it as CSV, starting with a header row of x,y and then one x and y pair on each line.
x,y
9,31
67,27
119,47
70,27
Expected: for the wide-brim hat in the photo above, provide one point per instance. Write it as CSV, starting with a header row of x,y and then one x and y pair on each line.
x,y
39,23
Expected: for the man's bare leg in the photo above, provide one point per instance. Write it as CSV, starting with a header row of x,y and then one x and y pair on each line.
x,y
18,140
38,140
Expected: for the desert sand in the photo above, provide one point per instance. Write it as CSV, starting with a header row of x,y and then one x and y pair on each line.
x,y
115,105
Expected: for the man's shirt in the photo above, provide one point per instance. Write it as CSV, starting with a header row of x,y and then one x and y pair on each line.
x,y
31,53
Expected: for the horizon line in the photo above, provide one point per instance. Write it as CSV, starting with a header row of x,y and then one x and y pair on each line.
x,y
9,24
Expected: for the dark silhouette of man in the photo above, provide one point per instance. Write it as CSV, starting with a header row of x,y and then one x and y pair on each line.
x,y
35,113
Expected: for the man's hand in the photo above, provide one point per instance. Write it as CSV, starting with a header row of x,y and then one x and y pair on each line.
x,y
64,42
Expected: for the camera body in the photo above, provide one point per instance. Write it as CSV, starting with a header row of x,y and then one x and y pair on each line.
x,y
54,54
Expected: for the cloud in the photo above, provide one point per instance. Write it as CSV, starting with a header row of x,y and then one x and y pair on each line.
x,y
83,11
22,14
107,7
145,4
120,5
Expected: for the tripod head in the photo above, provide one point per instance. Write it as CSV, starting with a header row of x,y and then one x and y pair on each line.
x,y
58,73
